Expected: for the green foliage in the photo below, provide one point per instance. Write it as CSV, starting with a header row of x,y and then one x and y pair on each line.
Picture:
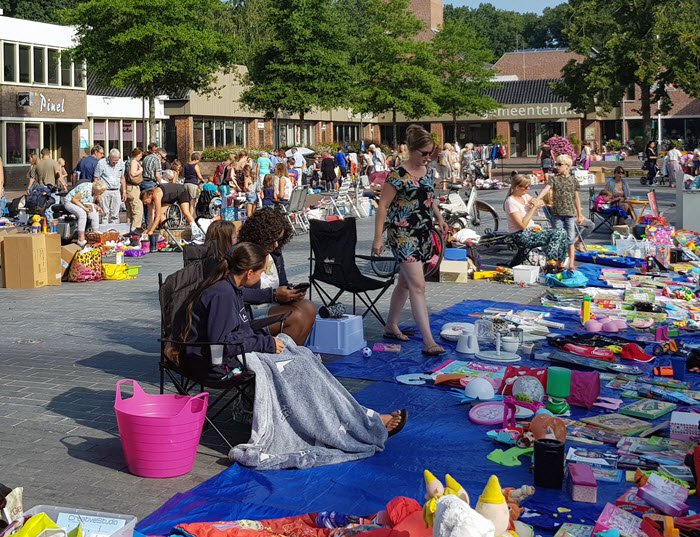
x,y
460,59
499,140
395,72
303,62
219,154
157,47
36,10
620,49
613,144
506,31
677,24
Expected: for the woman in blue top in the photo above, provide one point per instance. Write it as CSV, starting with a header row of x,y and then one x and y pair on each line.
x,y
81,202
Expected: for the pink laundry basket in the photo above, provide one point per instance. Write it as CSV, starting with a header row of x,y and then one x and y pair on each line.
x,y
159,433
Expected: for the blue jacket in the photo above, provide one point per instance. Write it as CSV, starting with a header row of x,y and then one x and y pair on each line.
x,y
610,185
256,296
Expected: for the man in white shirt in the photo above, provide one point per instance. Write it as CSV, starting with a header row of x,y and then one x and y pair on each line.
x,y
379,160
299,162
111,171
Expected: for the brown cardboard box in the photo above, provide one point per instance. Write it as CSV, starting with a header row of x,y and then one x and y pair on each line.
x,y
67,253
599,174
25,260
54,273
454,271
4,232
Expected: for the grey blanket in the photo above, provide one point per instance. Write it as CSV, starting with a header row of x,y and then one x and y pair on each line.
x,y
303,416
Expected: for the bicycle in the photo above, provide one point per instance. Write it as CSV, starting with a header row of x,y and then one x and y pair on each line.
x,y
385,266
475,214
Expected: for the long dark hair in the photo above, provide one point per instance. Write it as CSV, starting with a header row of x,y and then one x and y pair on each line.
x,y
240,258
220,236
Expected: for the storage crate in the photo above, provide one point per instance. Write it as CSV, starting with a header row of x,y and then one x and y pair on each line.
x,y
337,336
95,523
685,426
525,274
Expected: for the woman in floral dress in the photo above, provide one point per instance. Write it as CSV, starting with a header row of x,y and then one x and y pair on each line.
x,y
407,206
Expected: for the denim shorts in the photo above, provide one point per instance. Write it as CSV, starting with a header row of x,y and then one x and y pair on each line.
x,y
569,224
251,197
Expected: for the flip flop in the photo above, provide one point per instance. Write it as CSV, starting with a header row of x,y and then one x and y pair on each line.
x,y
408,331
398,336
403,414
430,351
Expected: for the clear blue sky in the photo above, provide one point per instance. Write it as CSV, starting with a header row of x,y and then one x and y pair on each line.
x,y
534,6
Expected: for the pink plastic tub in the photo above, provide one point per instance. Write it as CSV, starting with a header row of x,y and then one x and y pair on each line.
x,y
159,433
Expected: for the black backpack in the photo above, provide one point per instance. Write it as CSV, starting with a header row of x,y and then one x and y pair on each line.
x,y
39,199
204,203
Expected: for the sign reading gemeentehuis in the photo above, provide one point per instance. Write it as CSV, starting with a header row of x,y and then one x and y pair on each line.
x,y
42,103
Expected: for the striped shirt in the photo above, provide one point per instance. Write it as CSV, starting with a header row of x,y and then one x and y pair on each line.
x,y
112,175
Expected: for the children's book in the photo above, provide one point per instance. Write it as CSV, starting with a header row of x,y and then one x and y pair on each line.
x,y
574,530
653,444
649,409
591,433
597,459
617,423
681,472
608,475
613,517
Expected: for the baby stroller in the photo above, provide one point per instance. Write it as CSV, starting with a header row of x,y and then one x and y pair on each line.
x,y
209,202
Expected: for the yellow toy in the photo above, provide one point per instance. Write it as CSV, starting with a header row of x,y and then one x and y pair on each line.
x,y
435,490
492,506
36,223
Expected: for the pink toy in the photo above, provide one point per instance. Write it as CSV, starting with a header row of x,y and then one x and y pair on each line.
x,y
665,495
609,325
582,484
593,326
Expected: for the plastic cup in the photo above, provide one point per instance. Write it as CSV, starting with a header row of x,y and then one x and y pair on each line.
x,y
217,354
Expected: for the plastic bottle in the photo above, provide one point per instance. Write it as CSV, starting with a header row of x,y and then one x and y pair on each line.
x,y
586,309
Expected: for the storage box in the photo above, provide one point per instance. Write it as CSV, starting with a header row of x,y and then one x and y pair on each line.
x,y
67,253
54,270
581,483
525,274
455,254
454,271
685,426
337,336
622,230
630,502
95,523
25,261
4,233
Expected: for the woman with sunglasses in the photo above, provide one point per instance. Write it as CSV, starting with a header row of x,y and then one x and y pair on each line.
x,y
619,188
521,208
407,206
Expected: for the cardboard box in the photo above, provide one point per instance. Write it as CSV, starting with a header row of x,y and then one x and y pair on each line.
x,y
67,253
622,230
54,270
25,261
454,271
581,483
4,232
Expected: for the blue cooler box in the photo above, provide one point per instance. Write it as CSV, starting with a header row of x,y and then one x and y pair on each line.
x,y
337,336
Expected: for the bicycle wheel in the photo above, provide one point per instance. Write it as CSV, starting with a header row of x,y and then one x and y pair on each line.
x,y
383,267
173,216
486,218
438,244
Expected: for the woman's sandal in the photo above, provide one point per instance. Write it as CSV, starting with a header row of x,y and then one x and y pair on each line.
x,y
403,415
398,336
433,350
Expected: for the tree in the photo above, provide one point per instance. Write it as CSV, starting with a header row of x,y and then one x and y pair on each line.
x,y
677,24
620,50
35,10
396,73
159,47
460,63
303,62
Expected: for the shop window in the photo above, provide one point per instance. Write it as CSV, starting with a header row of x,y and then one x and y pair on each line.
x,y
208,134
127,137
219,134
24,64
229,132
39,54
13,143
31,139
239,136
9,62
66,71
140,135
99,134
53,65
78,75
113,130
198,135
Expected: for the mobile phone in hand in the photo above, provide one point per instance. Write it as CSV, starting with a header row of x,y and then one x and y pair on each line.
x,y
301,286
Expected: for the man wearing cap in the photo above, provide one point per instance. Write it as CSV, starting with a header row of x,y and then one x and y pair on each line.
x,y
111,171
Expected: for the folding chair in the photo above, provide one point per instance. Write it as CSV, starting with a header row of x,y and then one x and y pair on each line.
x,y
340,200
604,221
191,375
295,210
333,262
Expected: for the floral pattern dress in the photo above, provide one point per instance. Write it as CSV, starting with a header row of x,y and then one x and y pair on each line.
x,y
410,216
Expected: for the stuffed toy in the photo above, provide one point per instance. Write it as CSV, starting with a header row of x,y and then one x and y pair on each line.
x,y
454,518
492,505
435,490
514,497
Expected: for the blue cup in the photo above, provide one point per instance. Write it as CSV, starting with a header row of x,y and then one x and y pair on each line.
x,y
679,364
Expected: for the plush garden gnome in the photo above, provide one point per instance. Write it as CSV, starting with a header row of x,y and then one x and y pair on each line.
x,y
455,488
492,505
454,518
435,490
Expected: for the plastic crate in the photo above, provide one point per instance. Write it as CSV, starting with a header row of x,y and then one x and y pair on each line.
x,y
525,274
95,523
337,336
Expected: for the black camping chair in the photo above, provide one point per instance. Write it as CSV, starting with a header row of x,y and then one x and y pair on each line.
x,y
606,222
333,262
189,378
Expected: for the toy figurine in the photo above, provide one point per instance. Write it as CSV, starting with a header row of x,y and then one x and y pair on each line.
x,y
514,497
36,223
454,518
435,490
492,505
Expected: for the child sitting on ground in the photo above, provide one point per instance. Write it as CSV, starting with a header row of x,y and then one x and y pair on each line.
x,y
269,195
604,204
